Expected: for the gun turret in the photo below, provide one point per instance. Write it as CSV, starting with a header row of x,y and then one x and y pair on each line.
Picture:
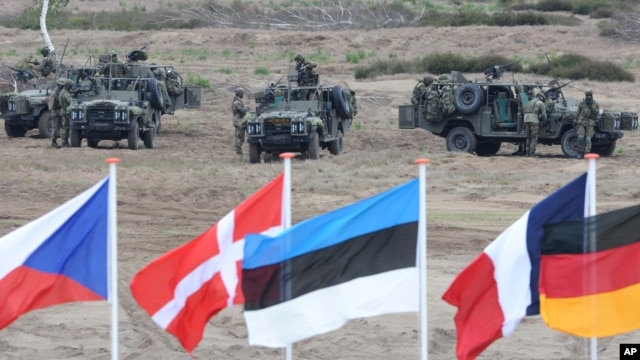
x,y
495,72
20,75
554,92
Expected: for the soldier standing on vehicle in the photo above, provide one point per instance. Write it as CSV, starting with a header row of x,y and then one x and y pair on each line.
x,y
54,111
534,113
47,66
161,75
588,111
64,97
420,89
305,71
239,122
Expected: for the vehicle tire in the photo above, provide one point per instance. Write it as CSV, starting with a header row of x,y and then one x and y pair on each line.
x,y
569,144
313,152
133,140
605,150
461,139
156,100
488,148
254,153
45,126
340,102
14,131
76,138
150,138
468,98
335,147
92,142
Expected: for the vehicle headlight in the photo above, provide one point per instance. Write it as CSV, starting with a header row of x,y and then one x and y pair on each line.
x,y
121,115
77,115
254,128
299,127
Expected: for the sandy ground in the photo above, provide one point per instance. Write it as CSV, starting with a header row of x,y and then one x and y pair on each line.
x,y
171,194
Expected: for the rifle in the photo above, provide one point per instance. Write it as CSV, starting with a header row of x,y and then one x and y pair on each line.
x,y
20,75
554,92
495,72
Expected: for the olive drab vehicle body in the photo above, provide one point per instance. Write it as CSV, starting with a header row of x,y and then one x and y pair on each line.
x,y
129,105
29,109
299,118
488,113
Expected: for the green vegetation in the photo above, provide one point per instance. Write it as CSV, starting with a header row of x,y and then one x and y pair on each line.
x,y
261,70
197,80
568,66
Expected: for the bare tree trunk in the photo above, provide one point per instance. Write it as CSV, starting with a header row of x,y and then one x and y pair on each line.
x,y
44,32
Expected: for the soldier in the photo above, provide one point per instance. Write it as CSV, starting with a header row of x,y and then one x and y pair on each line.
x,y
305,71
64,98
239,122
47,66
446,105
420,88
113,68
54,111
534,113
588,111
173,85
160,75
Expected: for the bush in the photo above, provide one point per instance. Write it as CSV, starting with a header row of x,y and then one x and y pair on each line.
x,y
553,5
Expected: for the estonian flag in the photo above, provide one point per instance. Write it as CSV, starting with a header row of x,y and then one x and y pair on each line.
x,y
57,258
356,261
592,292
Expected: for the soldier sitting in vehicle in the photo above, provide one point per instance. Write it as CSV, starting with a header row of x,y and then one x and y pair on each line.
x,y
113,68
160,75
47,66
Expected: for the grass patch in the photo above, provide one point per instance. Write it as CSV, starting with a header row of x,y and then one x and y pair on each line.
x,y
261,71
197,80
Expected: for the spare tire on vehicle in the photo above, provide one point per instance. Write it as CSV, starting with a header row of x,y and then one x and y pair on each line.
x,y
341,102
468,98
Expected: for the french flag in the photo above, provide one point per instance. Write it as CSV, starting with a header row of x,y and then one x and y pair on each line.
x,y
57,258
500,286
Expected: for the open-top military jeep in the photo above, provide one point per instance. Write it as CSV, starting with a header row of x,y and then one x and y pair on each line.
x,y
300,118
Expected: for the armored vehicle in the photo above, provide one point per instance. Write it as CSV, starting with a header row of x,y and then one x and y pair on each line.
x,y
298,117
487,113
28,109
129,103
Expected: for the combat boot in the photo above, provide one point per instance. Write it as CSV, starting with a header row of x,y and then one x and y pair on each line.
x,y
65,143
54,144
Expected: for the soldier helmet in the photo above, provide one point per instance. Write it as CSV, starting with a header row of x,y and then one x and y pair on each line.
x,y
589,92
44,51
68,83
444,77
160,73
239,92
299,58
61,82
428,80
114,56
540,95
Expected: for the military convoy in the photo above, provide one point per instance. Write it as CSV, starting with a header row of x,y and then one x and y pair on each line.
x,y
300,116
112,101
489,113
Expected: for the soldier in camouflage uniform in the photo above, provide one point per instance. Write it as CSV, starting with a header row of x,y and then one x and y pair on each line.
x,y
305,71
47,66
446,105
239,122
54,111
173,85
160,75
587,114
64,97
534,113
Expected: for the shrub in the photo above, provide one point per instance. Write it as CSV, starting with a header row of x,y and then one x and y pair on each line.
x,y
553,5
197,80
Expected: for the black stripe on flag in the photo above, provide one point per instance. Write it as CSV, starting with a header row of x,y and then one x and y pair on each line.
x,y
369,254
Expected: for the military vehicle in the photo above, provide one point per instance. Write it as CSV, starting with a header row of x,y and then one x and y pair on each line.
x,y
489,113
301,116
129,104
28,109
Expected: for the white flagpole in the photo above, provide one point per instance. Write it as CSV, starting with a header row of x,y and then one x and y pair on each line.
x,y
591,197
286,210
112,239
422,253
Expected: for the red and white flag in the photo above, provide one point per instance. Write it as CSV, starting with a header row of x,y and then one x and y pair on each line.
x,y
182,289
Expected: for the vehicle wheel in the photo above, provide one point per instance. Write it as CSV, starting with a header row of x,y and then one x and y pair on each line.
x,y
569,144
468,98
134,137
14,131
488,148
604,150
156,100
313,151
150,138
76,138
335,147
254,153
45,126
340,102
93,143
461,139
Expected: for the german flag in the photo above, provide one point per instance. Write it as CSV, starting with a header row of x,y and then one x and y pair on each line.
x,y
590,274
